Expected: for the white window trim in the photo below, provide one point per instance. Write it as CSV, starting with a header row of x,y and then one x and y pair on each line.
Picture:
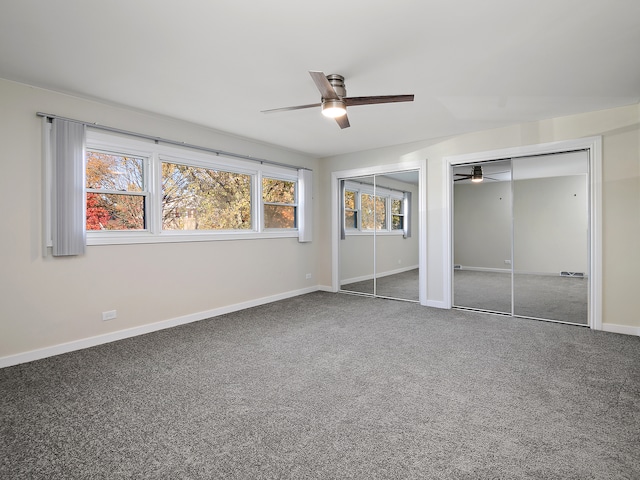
x,y
154,154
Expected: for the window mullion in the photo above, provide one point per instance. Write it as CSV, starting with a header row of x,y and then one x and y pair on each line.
x,y
154,208
257,203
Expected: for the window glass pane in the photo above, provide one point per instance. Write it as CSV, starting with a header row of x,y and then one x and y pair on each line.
x,y
349,199
195,198
279,216
278,191
367,204
114,211
350,219
396,206
397,222
114,172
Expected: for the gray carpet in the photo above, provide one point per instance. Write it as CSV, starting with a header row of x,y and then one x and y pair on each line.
x,y
403,286
549,297
330,386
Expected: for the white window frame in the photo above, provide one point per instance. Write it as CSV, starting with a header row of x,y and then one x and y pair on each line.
x,y
155,154
209,162
145,193
287,178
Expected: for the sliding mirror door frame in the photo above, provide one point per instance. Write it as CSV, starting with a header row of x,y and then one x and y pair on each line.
x,y
593,145
420,229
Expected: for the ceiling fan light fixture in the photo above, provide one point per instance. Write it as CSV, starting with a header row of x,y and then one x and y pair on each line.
x,y
333,108
476,174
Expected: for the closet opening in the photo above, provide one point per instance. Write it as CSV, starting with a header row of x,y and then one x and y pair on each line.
x,y
521,236
378,246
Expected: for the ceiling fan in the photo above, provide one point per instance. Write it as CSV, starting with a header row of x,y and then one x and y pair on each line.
x,y
476,175
334,100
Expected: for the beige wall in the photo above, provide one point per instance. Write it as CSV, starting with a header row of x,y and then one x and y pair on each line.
x,y
620,131
46,301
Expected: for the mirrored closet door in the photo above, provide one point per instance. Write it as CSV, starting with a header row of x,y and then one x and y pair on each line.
x,y
379,240
357,237
551,237
521,237
482,236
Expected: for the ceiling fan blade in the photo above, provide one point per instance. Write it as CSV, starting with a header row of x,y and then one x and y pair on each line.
x,y
466,177
326,90
343,121
352,101
297,107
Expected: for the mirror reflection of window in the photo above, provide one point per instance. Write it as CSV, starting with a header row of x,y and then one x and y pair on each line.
x,y
350,210
378,254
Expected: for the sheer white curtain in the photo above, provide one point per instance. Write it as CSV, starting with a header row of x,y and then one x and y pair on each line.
x,y
305,205
68,177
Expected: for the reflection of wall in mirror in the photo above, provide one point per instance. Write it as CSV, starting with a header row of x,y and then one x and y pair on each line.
x,y
482,225
550,225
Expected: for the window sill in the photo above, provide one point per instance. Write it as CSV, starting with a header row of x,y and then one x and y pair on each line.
x,y
128,238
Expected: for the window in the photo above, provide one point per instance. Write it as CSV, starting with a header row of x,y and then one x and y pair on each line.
x,y
350,209
279,203
140,191
366,212
397,214
116,192
195,198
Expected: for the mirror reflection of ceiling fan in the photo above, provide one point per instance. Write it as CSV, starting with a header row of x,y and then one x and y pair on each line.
x,y
334,100
475,176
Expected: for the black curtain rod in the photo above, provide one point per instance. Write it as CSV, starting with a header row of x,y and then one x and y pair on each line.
x,y
171,142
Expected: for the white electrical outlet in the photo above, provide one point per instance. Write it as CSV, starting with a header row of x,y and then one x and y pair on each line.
x,y
507,262
110,315
308,276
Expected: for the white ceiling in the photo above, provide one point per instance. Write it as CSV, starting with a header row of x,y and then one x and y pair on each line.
x,y
472,65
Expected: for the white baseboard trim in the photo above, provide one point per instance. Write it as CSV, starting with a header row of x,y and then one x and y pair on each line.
x,y
41,353
383,274
624,329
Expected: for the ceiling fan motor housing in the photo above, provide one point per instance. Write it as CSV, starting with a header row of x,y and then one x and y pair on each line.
x,y
337,82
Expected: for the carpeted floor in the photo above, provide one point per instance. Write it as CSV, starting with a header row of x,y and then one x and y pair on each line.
x,y
330,386
549,297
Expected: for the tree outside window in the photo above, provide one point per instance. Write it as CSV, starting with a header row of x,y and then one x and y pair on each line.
x,y
115,192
